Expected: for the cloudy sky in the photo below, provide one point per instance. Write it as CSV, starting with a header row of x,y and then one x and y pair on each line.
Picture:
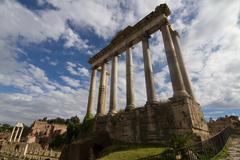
x,y
45,46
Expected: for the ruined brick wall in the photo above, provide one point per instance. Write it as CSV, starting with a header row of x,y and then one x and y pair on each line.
x,y
60,127
155,123
48,129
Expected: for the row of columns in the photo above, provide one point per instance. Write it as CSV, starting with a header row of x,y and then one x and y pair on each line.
x,y
16,135
180,82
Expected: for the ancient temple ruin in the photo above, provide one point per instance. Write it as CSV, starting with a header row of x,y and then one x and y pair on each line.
x,y
156,121
16,134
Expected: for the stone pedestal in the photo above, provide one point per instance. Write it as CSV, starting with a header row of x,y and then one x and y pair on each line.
x,y
155,123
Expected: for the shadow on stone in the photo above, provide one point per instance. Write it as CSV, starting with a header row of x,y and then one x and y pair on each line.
x,y
86,149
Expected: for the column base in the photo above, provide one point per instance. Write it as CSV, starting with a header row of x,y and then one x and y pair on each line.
x,y
181,93
151,103
99,115
130,107
112,112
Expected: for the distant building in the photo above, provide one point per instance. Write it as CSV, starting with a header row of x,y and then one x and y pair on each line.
x,y
217,125
4,136
45,130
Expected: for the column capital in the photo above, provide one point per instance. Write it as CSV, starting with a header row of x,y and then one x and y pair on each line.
x,y
145,36
164,23
128,45
163,8
174,32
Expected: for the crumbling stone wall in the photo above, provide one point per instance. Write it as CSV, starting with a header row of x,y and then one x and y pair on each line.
x,y
219,124
155,123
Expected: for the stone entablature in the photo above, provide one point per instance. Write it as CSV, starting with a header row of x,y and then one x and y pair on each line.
x,y
131,35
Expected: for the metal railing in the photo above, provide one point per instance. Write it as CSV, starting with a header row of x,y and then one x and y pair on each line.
x,y
204,150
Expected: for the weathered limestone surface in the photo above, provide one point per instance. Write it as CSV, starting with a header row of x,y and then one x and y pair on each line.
x,y
155,123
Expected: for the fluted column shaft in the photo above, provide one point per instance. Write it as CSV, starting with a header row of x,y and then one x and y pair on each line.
x,y
12,134
151,94
113,91
92,91
129,80
177,46
101,92
20,135
14,140
175,73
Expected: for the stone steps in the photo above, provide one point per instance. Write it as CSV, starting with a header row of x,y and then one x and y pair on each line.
x,y
234,148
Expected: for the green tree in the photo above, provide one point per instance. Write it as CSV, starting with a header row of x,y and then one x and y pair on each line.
x,y
73,129
181,143
5,128
57,120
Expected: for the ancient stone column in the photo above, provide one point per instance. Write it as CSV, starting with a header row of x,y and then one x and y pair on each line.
x,y
14,140
12,134
113,91
25,150
177,46
106,89
175,73
101,92
92,91
20,135
151,94
129,80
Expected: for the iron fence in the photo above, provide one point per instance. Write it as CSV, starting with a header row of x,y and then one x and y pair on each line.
x,y
204,150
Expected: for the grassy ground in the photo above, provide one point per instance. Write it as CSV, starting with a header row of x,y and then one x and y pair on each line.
x,y
130,152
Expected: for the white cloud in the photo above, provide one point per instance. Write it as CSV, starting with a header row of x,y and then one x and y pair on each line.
x,y
71,82
53,63
77,70
73,40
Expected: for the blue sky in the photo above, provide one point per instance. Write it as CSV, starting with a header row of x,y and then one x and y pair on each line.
x,y
45,46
